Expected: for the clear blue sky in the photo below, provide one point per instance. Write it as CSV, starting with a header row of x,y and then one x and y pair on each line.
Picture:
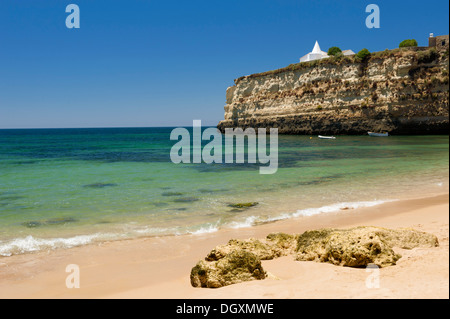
x,y
165,63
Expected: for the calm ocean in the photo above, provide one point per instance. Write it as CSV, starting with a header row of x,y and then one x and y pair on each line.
x,y
68,187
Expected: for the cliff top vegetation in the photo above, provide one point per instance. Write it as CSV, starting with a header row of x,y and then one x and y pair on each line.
x,y
420,54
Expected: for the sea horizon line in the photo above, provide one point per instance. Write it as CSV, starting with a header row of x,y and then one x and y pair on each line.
x,y
97,127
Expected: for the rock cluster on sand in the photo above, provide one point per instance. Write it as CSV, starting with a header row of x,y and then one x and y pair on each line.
x,y
235,267
275,245
240,260
360,246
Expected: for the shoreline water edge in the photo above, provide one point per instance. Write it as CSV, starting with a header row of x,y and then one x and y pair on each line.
x,y
30,244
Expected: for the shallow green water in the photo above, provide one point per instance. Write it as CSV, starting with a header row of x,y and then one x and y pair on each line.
x,y
66,187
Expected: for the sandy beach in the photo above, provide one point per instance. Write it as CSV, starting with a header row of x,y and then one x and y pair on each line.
x,y
159,267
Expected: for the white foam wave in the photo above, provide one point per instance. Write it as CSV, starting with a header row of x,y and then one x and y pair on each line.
x,y
30,244
338,207
333,208
210,228
156,231
248,222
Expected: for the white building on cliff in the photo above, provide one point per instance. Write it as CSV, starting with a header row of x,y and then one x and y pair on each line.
x,y
317,54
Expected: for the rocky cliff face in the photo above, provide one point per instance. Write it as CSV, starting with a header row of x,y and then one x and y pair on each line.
x,y
402,91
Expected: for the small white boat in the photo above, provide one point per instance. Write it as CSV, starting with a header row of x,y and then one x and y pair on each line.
x,y
378,134
327,137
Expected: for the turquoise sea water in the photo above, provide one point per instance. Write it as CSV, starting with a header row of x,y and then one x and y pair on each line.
x,y
68,187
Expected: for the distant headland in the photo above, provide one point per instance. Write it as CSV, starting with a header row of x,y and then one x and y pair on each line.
x,y
400,91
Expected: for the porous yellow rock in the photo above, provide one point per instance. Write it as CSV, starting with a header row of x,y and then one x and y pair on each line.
x,y
273,246
237,266
360,246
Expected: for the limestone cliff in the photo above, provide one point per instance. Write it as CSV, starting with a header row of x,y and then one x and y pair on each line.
x,y
402,91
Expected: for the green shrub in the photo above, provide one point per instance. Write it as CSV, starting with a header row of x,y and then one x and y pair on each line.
x,y
363,55
338,57
333,51
408,43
